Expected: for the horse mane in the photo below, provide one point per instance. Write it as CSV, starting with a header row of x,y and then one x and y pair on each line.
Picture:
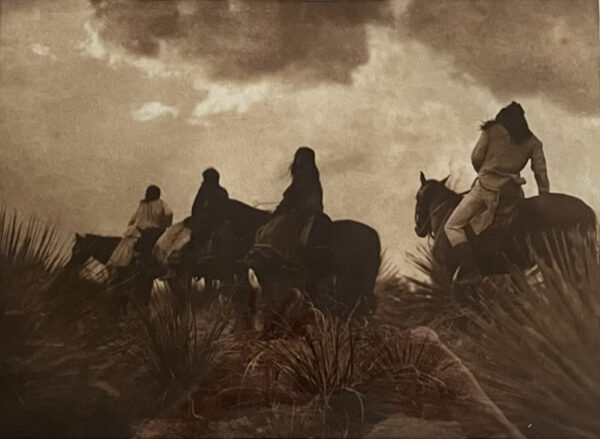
x,y
452,197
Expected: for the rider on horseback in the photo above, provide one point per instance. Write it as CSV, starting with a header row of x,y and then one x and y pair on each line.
x,y
146,225
298,222
208,210
505,146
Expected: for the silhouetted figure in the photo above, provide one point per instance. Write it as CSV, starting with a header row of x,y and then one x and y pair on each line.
x,y
305,191
505,146
210,192
146,225
208,211
299,221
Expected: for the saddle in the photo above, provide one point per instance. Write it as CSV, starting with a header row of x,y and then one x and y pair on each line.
x,y
294,242
213,245
507,209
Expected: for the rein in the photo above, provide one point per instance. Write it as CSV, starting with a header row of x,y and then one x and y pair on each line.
x,y
433,212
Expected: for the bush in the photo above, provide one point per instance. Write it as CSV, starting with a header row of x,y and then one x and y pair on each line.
x,y
178,348
536,347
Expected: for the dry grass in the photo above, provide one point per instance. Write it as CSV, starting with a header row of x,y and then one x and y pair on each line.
x,y
321,362
176,344
70,367
407,302
536,348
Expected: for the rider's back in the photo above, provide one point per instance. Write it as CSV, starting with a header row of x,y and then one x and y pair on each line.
x,y
504,159
152,214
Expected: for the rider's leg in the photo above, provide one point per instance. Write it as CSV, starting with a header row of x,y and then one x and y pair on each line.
x,y
472,204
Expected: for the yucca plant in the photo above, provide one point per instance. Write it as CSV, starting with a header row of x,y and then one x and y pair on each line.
x,y
50,380
419,375
31,252
178,349
320,367
321,362
410,301
536,347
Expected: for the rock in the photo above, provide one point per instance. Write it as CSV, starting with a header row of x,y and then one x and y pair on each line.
x,y
431,382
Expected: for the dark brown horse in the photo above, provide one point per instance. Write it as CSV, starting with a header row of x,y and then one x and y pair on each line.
x,y
338,277
218,258
505,242
89,246
133,281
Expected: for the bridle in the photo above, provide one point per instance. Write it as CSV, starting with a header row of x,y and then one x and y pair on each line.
x,y
427,221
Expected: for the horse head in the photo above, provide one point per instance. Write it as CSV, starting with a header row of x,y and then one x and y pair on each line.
x,y
92,246
428,195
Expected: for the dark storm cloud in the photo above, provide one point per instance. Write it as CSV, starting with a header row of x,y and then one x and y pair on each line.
x,y
245,40
517,47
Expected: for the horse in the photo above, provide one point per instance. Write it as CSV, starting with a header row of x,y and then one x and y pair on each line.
x,y
136,279
507,242
226,247
89,246
347,289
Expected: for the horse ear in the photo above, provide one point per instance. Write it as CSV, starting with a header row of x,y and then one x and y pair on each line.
x,y
78,237
445,180
423,178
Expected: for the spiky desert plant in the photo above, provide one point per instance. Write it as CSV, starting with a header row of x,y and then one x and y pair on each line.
x,y
31,251
178,348
426,300
405,364
320,368
321,362
50,380
536,347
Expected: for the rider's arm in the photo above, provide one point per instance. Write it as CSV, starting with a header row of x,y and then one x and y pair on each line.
x,y
538,166
480,150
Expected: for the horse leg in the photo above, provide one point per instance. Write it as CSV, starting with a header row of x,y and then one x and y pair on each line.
x,y
443,260
209,292
258,312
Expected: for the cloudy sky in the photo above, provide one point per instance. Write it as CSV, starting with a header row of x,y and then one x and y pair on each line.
x,y
98,99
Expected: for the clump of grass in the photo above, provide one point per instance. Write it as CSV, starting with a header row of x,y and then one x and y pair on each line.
x,y
536,347
405,367
31,252
429,300
321,362
179,349
51,380
421,376
320,367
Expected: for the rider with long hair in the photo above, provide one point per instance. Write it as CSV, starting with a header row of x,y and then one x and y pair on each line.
x,y
305,191
505,146
298,221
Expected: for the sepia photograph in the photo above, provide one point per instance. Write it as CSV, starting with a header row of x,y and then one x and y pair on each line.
x,y
300,218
